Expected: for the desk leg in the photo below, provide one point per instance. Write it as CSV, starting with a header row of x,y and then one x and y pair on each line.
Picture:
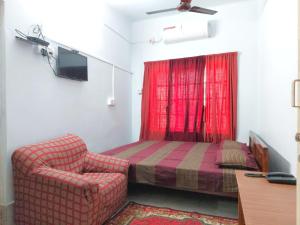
x,y
241,214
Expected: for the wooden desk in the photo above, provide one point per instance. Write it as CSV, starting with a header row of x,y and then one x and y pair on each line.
x,y
263,203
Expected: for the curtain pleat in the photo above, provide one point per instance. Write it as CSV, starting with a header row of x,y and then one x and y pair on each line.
x,y
179,104
155,100
221,97
186,96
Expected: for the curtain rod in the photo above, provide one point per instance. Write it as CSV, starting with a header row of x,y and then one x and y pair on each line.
x,y
92,56
239,53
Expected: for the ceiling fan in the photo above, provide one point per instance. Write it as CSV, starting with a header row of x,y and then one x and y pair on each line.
x,y
185,6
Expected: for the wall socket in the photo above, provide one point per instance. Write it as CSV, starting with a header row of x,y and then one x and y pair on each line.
x,y
46,51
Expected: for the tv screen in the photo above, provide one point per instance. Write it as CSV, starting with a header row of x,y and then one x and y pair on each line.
x,y
71,65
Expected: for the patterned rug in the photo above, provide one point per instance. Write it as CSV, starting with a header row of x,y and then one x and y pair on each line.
x,y
136,214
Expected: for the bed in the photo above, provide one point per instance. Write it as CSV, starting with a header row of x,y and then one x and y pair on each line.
x,y
185,165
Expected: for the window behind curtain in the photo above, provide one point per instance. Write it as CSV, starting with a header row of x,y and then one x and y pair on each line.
x,y
185,107
155,100
190,99
221,97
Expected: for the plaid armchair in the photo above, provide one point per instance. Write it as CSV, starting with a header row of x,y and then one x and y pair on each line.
x,y
59,182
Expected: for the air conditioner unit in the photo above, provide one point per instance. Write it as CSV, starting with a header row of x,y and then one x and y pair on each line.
x,y
186,32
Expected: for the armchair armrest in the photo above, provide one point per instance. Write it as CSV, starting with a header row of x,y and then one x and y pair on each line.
x,y
71,182
107,164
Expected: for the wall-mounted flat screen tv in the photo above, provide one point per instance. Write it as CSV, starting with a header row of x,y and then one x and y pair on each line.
x,y
71,65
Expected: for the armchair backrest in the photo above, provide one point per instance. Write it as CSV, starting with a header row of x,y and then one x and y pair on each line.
x,y
65,153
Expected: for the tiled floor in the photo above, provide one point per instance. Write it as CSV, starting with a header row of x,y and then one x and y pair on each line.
x,y
182,200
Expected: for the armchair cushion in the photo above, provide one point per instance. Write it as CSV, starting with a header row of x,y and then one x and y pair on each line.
x,y
105,164
112,189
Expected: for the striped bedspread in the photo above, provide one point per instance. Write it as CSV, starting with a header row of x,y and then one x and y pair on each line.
x,y
181,165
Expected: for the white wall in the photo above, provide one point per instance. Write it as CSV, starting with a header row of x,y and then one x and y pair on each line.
x,y
2,104
41,106
236,30
79,24
278,67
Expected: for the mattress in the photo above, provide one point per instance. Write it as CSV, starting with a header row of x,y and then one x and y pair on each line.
x,y
181,165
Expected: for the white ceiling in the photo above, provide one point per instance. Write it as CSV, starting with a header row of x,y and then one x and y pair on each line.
x,y
136,9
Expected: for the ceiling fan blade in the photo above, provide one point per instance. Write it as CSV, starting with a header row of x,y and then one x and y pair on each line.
x,y
161,11
197,9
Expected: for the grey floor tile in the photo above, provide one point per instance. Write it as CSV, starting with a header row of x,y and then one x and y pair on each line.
x,y
183,200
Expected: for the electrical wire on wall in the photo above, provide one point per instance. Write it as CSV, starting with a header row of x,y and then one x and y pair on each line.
x,y
36,31
45,51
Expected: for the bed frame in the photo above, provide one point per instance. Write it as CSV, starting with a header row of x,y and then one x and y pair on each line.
x,y
260,151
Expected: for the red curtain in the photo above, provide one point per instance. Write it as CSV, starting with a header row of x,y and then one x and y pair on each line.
x,y
185,106
221,97
155,100
182,102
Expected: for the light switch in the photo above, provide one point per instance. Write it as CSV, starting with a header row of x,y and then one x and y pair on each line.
x,y
111,102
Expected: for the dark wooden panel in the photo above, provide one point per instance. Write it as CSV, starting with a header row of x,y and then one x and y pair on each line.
x,y
260,151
